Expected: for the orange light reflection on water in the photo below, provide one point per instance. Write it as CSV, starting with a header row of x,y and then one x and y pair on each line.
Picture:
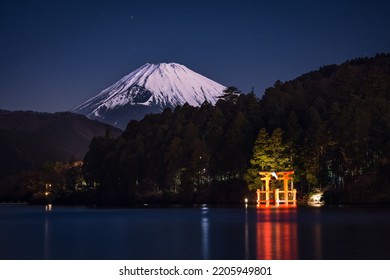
x,y
276,234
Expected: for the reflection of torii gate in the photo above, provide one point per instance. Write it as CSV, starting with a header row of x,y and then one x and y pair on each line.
x,y
285,197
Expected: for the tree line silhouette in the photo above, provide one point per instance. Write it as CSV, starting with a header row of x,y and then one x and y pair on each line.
x,y
331,126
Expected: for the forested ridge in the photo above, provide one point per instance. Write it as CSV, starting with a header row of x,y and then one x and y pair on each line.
x,y
332,124
35,149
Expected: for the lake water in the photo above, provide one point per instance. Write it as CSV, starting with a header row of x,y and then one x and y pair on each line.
x,y
31,232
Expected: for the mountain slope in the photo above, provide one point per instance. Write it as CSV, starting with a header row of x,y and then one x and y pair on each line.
x,y
28,139
150,89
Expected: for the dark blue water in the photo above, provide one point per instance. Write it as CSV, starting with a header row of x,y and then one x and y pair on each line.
x,y
30,232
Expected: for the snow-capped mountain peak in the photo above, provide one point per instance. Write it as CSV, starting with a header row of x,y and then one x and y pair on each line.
x,y
150,89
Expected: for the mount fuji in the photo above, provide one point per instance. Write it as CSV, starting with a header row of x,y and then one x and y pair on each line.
x,y
150,89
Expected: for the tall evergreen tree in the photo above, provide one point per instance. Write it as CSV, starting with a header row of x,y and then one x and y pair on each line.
x,y
230,94
269,154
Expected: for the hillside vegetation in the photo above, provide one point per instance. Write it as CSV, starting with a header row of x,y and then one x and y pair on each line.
x,y
30,142
334,126
331,126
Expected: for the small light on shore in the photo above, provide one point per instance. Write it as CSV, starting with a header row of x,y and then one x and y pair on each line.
x,y
246,200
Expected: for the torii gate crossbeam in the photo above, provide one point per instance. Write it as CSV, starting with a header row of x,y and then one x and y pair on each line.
x,y
285,197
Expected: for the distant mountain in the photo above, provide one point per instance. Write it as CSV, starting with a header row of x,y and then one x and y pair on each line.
x,y
150,89
28,139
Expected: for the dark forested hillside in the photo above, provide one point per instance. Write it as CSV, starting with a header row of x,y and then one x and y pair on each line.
x,y
28,140
331,126
334,124
338,120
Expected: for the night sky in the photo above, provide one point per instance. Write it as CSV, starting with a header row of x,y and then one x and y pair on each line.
x,y
56,54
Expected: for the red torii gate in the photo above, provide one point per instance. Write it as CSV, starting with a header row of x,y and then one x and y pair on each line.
x,y
286,197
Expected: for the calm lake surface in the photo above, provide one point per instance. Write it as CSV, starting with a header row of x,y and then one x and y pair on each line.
x,y
31,232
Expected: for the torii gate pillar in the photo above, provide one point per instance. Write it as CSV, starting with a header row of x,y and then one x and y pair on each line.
x,y
285,197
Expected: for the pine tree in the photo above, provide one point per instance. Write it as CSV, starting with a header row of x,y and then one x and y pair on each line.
x,y
230,94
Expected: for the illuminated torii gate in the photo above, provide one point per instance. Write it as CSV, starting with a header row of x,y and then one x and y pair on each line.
x,y
286,197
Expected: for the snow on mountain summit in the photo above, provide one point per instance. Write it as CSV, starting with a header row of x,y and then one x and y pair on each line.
x,y
150,89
